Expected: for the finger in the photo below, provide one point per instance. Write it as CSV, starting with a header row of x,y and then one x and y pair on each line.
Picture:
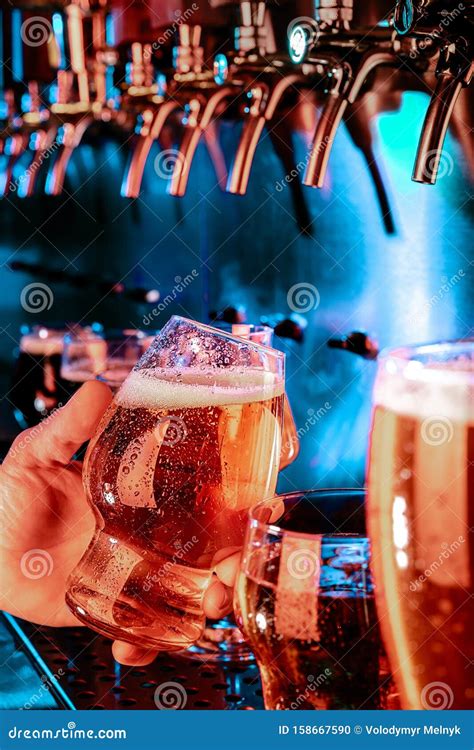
x,y
217,600
223,553
132,656
270,513
227,569
55,440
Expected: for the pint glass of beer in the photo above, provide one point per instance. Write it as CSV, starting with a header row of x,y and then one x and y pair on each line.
x,y
190,442
37,388
304,598
421,515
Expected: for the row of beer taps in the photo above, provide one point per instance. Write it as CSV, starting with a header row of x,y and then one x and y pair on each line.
x,y
66,74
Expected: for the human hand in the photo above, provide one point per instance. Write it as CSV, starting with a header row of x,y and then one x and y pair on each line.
x,y
47,522
45,519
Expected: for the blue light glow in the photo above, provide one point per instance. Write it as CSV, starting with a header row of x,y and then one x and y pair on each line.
x,y
17,46
298,44
221,68
58,30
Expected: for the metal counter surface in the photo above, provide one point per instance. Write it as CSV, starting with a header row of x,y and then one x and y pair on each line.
x,y
88,677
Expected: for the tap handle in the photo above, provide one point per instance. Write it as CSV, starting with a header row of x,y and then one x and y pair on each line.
x,y
334,11
356,342
139,70
188,54
252,13
228,314
77,57
250,33
65,85
289,328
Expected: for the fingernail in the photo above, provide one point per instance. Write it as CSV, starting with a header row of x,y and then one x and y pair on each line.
x,y
224,600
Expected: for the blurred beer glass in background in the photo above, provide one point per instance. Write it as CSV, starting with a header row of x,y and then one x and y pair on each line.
x,y
36,385
304,598
83,357
190,442
123,350
421,514
106,356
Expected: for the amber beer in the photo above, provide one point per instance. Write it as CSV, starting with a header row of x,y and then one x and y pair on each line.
x,y
341,666
305,601
421,490
174,467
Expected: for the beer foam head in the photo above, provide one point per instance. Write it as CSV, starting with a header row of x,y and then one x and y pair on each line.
x,y
43,343
437,386
175,389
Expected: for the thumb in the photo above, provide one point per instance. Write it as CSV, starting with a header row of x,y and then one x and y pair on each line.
x,y
55,440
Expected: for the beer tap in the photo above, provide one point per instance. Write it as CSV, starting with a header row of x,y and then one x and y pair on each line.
x,y
72,106
38,130
187,57
202,98
82,88
356,342
264,77
26,76
192,90
343,58
452,29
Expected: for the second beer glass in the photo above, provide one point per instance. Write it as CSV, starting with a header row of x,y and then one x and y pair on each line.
x,y
190,442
